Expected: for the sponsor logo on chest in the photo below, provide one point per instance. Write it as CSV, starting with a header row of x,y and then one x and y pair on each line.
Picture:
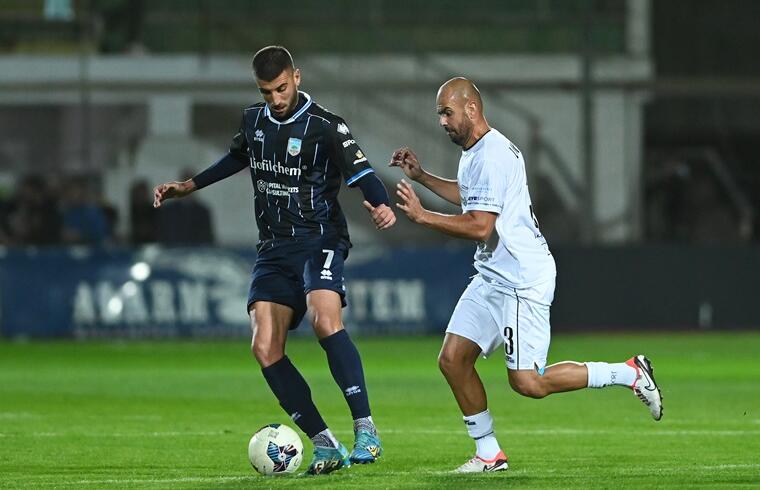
x,y
276,189
276,168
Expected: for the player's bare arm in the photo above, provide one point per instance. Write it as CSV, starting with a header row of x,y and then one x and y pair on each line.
x,y
171,190
472,225
407,160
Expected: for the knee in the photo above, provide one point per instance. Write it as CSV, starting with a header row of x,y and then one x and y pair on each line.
x,y
532,388
448,363
266,352
325,325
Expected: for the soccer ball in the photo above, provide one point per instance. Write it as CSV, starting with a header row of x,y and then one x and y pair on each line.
x,y
275,449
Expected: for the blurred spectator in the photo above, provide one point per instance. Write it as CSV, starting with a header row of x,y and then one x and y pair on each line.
x,y
31,216
61,10
711,218
686,203
185,221
121,25
109,211
5,231
142,215
84,221
557,222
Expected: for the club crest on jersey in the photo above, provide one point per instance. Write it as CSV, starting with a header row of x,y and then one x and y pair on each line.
x,y
342,128
294,146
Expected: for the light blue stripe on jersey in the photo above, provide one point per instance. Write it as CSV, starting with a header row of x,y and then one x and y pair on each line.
x,y
359,175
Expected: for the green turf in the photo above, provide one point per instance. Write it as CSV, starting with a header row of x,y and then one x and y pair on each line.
x,y
179,415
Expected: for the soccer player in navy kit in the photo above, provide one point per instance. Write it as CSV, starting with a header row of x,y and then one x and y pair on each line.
x,y
298,152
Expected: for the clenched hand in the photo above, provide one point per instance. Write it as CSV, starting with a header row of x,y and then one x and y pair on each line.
x,y
382,215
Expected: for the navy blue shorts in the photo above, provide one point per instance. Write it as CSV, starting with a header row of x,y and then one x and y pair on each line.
x,y
287,269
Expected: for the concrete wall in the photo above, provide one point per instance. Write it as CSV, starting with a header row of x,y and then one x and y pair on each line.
x,y
388,102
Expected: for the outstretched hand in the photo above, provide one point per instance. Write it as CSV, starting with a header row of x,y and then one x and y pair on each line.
x,y
170,190
382,215
407,161
410,203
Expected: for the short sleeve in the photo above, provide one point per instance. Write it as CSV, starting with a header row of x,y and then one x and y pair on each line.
x,y
488,182
346,153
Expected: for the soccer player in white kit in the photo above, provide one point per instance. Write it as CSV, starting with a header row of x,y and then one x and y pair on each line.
x,y
507,303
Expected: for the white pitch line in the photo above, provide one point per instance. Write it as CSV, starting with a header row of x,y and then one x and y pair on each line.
x,y
569,432
653,432
18,415
730,466
116,434
188,479
685,469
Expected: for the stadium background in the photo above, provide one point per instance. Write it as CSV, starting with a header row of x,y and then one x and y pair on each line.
x,y
638,137
637,118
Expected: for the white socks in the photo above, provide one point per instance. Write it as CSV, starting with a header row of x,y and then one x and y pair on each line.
x,y
601,374
480,428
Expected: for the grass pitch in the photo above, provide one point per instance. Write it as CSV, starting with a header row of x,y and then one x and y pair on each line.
x,y
179,415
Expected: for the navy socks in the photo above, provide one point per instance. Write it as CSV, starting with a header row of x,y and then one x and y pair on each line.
x,y
294,396
346,367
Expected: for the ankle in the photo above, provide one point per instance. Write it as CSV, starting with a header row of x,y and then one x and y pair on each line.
x,y
325,439
366,424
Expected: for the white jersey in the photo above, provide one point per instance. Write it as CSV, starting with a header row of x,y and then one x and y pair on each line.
x,y
492,178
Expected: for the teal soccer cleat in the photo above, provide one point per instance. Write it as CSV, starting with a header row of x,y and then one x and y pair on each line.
x,y
367,448
328,459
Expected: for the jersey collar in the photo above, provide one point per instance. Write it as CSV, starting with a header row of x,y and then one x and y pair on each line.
x,y
477,143
295,116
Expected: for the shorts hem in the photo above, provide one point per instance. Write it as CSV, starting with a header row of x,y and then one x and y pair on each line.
x,y
483,352
298,313
270,300
524,367
341,293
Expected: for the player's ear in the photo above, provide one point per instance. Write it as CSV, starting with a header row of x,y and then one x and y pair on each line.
x,y
471,109
297,76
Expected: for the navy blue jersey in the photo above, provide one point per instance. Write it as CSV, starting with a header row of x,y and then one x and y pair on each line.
x,y
296,168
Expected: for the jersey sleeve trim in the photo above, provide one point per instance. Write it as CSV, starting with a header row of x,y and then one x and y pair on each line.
x,y
491,208
359,175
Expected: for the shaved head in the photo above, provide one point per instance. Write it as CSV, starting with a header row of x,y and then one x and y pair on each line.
x,y
460,90
460,111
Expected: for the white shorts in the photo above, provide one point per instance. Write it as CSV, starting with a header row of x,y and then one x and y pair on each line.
x,y
492,315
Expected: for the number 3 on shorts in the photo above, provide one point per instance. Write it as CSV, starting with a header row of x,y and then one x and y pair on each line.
x,y
509,345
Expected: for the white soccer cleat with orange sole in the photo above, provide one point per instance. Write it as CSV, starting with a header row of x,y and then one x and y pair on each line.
x,y
480,465
645,387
